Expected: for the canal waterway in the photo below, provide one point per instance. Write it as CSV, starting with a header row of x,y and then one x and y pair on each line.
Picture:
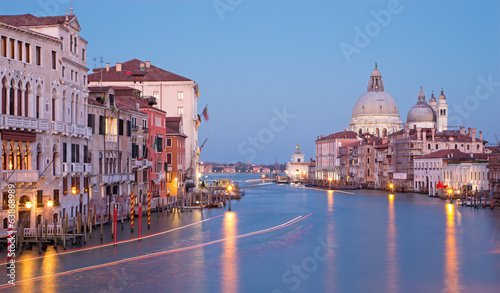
x,y
288,238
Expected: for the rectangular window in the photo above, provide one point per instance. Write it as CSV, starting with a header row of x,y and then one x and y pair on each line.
x,y
84,80
86,184
64,152
72,75
56,197
63,69
111,99
76,76
169,159
85,154
111,129
102,123
19,50
73,150
169,177
120,127
91,122
168,142
129,128
83,54
12,49
4,46
180,111
62,43
77,154
180,95
54,60
39,198
159,144
38,56
5,201
134,122
27,48
65,185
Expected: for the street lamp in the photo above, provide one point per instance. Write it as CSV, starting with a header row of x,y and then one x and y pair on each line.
x,y
330,179
50,203
28,204
450,192
73,190
391,186
229,188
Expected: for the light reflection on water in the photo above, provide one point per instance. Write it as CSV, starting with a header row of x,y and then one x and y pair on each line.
x,y
330,234
451,251
229,258
392,258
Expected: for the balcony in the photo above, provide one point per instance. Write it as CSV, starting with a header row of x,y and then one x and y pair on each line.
x,y
89,132
116,178
145,129
161,176
23,123
77,167
71,129
65,170
88,168
80,130
135,127
58,127
19,176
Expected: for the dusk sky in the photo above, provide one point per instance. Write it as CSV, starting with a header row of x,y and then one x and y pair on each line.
x,y
255,60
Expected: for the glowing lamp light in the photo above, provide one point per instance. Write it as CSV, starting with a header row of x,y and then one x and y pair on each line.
x,y
450,209
391,196
391,185
330,179
229,188
28,204
198,174
50,203
175,179
73,190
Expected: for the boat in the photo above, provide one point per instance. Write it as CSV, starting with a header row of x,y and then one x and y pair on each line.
x,y
282,180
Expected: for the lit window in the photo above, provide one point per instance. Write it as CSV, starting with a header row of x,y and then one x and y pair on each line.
x,y
111,129
180,95
180,111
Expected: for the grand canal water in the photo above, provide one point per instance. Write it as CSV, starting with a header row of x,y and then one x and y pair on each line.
x,y
287,238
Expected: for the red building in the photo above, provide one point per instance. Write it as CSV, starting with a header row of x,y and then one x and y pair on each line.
x,y
494,171
175,148
156,153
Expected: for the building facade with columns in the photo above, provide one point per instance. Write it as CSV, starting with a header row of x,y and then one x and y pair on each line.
x,y
43,118
297,169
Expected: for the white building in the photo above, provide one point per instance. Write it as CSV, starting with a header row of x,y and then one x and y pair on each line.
x,y
450,167
43,118
297,169
432,115
375,112
176,95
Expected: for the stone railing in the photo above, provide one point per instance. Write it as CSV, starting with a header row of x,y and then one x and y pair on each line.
x,y
23,123
19,176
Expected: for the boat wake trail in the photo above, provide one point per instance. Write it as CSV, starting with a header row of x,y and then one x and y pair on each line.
x,y
145,256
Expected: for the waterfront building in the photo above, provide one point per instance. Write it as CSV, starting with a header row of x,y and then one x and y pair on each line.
x,y
409,144
206,168
175,145
109,150
450,167
382,160
327,154
494,170
297,169
365,157
43,118
174,94
375,112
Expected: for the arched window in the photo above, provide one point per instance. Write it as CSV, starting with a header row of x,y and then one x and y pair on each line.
x,y
19,160
368,172
4,158
26,158
360,131
11,158
39,157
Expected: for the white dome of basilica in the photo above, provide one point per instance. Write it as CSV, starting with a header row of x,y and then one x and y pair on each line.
x,y
421,112
375,111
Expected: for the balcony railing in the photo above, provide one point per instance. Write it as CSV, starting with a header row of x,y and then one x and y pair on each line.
x,y
20,176
71,129
80,130
135,127
89,131
145,129
88,168
77,167
116,178
65,170
161,176
58,127
23,123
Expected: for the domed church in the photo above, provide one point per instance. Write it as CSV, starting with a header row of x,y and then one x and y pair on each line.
x,y
375,112
432,115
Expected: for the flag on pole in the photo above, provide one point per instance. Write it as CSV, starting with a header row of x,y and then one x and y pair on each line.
x,y
203,144
205,113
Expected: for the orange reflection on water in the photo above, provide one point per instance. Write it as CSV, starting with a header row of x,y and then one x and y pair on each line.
x,y
49,267
330,200
451,261
392,258
229,259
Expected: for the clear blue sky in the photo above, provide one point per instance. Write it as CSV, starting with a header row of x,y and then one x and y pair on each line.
x,y
258,57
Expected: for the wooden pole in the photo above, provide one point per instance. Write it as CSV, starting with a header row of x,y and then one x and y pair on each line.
x,y
46,231
55,232
101,225
40,238
74,228
85,230
79,223
132,212
95,216
21,237
64,228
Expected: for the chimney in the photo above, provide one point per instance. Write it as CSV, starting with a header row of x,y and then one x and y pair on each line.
x,y
473,134
141,65
464,131
433,131
118,67
468,131
148,64
107,66
419,133
480,135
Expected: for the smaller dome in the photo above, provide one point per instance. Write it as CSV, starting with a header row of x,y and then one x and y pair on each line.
x,y
442,98
432,100
421,112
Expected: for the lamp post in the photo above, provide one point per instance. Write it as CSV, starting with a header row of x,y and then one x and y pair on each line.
x,y
450,192
229,188
391,186
330,180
